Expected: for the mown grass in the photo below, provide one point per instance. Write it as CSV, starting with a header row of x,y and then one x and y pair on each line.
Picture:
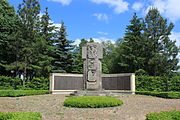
x,y
170,95
20,116
168,115
17,93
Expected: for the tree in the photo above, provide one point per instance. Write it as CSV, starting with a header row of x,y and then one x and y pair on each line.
x,y
78,62
161,52
130,49
45,46
63,54
8,28
108,55
29,30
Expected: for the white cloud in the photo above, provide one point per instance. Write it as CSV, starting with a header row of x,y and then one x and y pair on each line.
x,y
175,36
137,6
101,16
119,6
102,33
77,41
169,8
103,39
63,2
57,25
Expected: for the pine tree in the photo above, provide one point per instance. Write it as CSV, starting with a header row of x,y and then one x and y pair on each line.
x,y
8,28
45,46
28,37
63,53
129,58
161,52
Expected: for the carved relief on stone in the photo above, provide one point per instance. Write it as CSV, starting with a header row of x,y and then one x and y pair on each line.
x,y
91,76
92,51
92,64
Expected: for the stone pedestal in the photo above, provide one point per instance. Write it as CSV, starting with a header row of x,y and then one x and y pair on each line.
x,y
91,93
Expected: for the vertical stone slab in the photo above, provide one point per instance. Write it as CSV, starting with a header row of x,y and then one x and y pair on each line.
x,y
132,83
92,55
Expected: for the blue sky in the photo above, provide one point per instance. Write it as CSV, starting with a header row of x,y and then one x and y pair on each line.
x,y
105,19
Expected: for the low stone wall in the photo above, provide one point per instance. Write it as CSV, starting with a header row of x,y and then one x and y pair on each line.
x,y
61,83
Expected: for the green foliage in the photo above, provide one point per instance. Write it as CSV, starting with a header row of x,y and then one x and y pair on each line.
x,y
108,56
130,57
63,57
20,116
38,84
10,83
168,115
8,28
160,52
171,95
92,102
146,46
18,93
78,62
157,83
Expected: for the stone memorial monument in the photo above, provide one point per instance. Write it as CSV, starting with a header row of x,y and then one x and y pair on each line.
x,y
90,83
92,55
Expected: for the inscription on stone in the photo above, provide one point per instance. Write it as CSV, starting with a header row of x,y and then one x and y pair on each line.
x,y
92,55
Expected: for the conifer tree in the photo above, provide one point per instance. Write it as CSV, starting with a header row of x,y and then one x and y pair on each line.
x,y
8,28
29,37
45,45
63,53
160,51
129,58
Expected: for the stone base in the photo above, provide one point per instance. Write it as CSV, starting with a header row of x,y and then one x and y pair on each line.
x,y
91,93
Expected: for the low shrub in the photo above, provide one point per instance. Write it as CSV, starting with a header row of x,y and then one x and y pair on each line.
x,y
11,83
40,83
20,116
17,93
157,83
171,95
92,102
168,115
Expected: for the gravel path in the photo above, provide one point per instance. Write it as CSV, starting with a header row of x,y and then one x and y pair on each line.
x,y
135,107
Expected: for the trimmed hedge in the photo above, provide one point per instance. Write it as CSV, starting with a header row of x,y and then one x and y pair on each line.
x,y
171,95
92,102
17,93
170,115
157,83
7,83
10,83
20,116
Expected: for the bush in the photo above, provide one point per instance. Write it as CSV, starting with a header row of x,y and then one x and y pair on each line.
x,y
170,115
9,83
92,102
20,116
157,83
38,84
171,95
17,93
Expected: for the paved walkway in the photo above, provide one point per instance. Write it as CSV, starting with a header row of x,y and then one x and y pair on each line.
x,y
135,107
